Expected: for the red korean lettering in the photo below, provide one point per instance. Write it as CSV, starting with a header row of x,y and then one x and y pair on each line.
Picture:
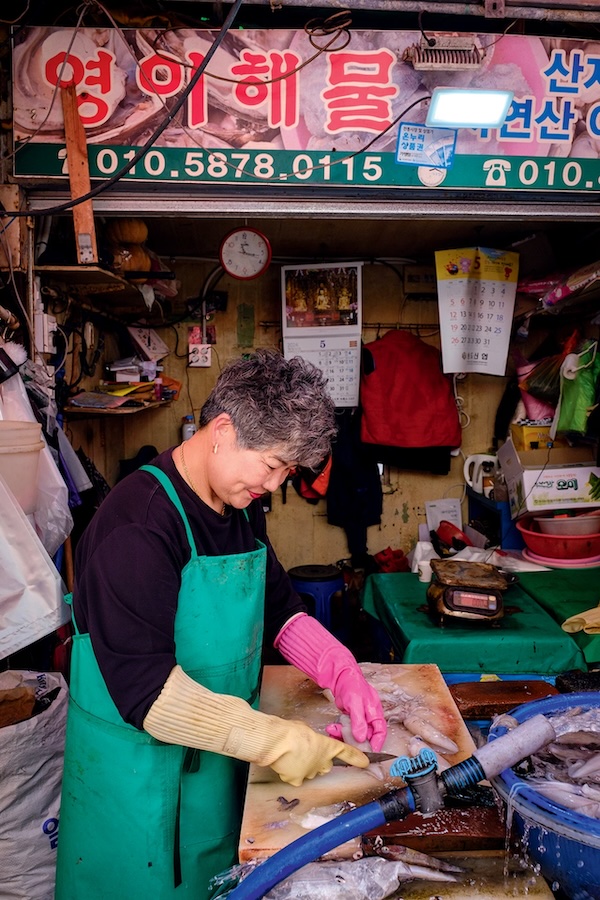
x,y
359,98
162,75
269,77
102,65
70,67
93,109
197,107
251,91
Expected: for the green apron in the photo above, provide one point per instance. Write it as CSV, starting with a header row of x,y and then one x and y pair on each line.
x,y
140,818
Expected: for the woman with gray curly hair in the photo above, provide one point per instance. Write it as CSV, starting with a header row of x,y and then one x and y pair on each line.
x,y
273,402
177,588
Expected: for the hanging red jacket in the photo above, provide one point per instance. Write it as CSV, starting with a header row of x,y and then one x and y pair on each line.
x,y
406,399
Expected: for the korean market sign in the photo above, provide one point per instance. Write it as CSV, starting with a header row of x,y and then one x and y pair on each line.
x,y
335,122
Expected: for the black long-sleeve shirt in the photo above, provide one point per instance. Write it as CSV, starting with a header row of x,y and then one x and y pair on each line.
x,y
128,566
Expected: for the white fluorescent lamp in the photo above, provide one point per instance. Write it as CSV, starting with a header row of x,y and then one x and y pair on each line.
x,y
468,108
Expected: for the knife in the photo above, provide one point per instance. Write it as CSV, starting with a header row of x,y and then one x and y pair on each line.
x,y
372,757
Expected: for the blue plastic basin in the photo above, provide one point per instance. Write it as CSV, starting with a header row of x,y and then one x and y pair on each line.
x,y
564,843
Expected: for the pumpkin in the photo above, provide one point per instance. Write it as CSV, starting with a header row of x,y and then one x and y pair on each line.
x,y
131,258
127,231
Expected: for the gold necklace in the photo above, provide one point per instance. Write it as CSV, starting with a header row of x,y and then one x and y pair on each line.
x,y
191,483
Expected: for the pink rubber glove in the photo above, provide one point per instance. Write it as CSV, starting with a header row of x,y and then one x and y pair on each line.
x,y
305,643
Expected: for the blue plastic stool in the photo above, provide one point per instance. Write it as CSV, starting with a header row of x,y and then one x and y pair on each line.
x,y
320,583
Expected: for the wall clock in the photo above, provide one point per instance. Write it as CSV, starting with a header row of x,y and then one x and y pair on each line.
x,y
245,253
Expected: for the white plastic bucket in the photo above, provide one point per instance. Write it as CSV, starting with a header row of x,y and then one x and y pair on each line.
x,y
19,469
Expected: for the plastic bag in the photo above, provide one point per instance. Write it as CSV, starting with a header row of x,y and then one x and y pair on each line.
x,y
535,409
31,589
579,377
31,766
52,517
371,878
542,380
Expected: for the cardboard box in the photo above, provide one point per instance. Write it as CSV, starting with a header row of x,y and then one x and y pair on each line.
x,y
556,478
534,437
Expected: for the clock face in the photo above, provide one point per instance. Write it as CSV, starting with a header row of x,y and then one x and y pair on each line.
x,y
245,253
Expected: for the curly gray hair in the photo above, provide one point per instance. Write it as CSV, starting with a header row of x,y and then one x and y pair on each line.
x,y
275,402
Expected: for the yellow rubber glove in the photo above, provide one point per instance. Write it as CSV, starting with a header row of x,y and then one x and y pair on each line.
x,y
587,621
188,714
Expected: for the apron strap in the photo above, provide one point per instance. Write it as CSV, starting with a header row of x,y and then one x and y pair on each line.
x,y
174,498
68,599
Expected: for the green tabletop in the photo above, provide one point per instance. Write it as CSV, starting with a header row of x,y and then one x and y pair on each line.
x,y
528,641
564,593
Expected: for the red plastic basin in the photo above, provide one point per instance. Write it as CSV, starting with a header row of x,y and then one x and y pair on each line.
x,y
555,546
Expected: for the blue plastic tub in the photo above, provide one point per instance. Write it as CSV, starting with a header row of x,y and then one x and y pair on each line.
x,y
565,844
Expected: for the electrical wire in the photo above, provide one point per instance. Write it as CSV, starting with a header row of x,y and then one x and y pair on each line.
x,y
61,71
485,47
17,295
60,364
522,508
333,162
19,17
429,41
105,185
465,418
337,24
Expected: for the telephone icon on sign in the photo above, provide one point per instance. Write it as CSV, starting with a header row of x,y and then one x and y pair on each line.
x,y
496,169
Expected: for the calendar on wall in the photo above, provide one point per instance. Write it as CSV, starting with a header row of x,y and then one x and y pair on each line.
x,y
322,321
477,287
339,360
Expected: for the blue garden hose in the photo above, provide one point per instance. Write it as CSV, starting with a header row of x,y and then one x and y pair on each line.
x,y
425,791
394,805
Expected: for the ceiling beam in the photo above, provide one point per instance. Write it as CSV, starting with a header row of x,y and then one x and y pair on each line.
x,y
389,209
574,11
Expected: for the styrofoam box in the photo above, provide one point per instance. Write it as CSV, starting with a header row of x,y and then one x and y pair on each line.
x,y
556,478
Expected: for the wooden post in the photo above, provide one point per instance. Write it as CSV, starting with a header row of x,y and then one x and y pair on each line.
x,y
79,176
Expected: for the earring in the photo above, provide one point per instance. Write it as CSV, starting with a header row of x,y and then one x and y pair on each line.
x,y
215,448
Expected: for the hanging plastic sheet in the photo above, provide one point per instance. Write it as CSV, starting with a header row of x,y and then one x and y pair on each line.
x,y
541,379
52,517
579,376
31,589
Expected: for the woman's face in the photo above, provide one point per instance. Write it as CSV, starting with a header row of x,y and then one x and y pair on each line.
x,y
240,476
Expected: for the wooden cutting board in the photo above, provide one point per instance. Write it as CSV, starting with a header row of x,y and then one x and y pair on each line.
x,y
269,823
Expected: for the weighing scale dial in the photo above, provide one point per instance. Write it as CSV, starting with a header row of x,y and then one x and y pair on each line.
x,y
474,601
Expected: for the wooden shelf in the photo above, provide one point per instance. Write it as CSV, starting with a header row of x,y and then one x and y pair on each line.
x,y
87,411
92,281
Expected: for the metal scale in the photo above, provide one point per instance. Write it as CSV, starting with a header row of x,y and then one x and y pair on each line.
x,y
468,591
